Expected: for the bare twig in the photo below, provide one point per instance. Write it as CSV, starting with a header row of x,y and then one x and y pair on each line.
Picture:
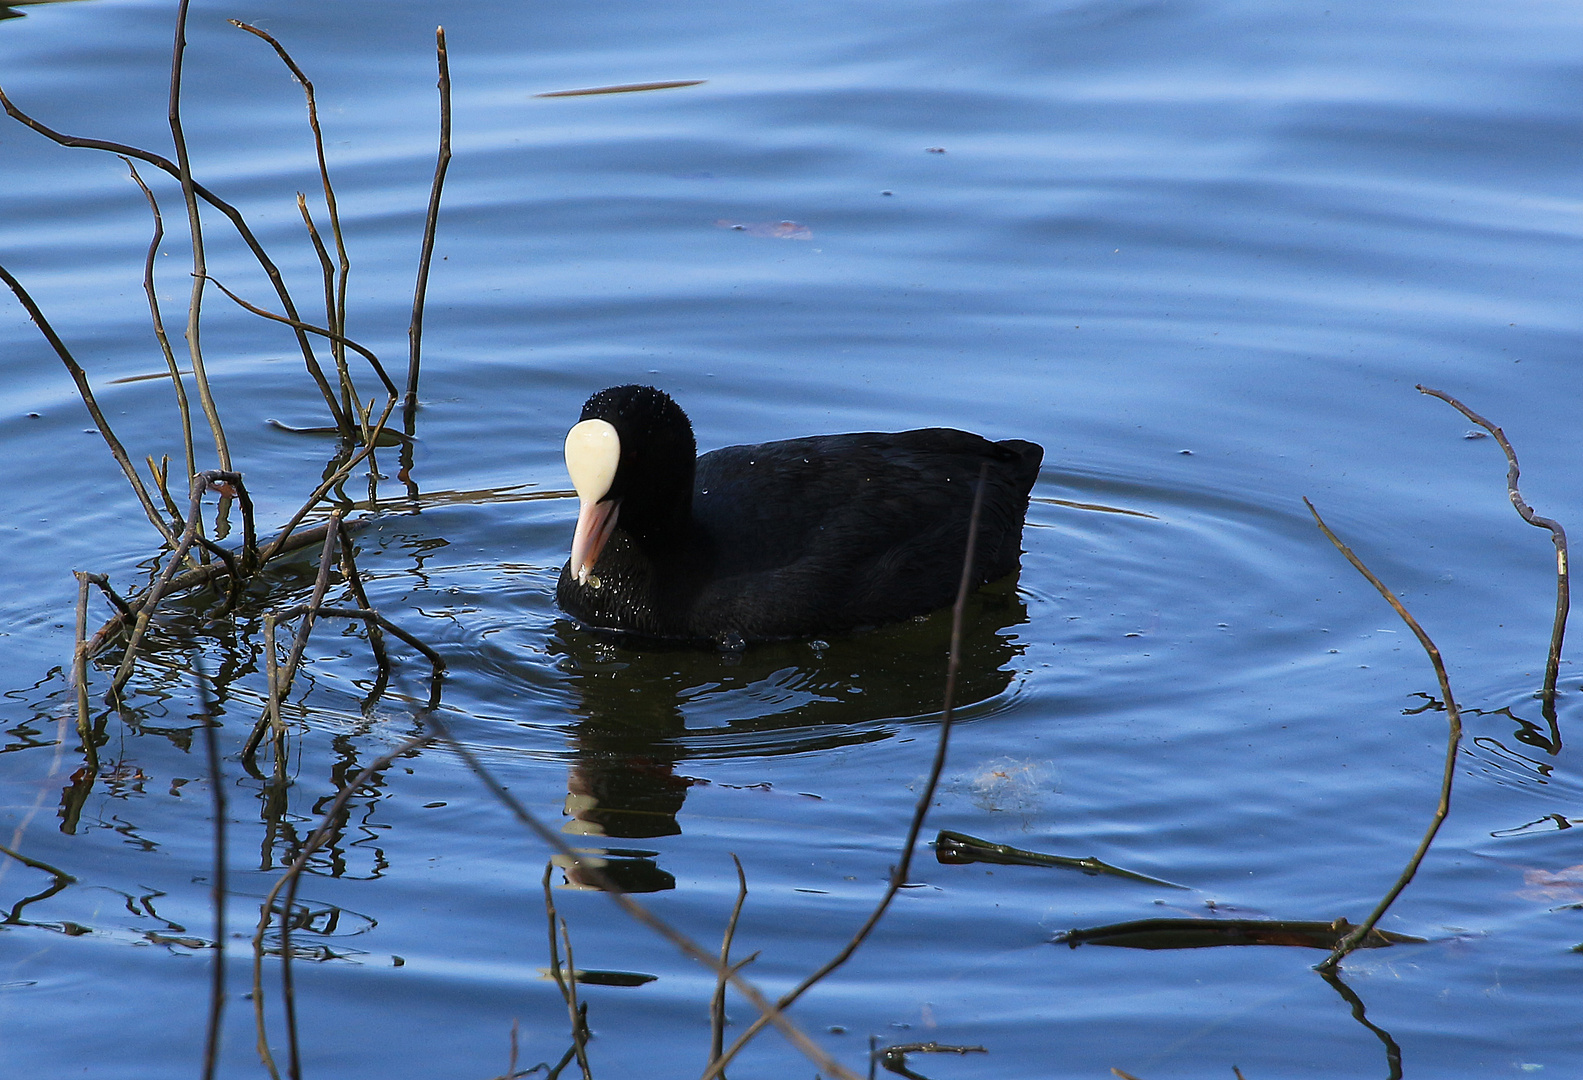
x,y
430,223
373,618
110,594
597,877
336,325
79,670
1558,626
195,228
335,289
237,222
321,585
894,1058
903,864
578,1012
80,377
1453,741
160,587
277,727
376,637
161,476
159,327
379,368
717,1007
127,611
283,539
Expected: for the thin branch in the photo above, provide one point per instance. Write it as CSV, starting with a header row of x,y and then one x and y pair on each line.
x,y
159,323
904,864
376,636
1558,535
430,224
284,537
238,222
373,618
379,369
84,391
717,1007
597,877
110,594
79,669
335,300
160,474
195,228
579,1016
1453,742
327,270
127,611
321,585
277,727
160,587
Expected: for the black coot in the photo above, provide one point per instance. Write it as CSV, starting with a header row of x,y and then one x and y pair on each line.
x,y
779,540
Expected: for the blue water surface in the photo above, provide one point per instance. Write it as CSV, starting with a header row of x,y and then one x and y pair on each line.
x,y
1201,251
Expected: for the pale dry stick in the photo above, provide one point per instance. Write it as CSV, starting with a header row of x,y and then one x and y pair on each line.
x,y
374,619
161,477
430,224
234,571
280,682
569,988
336,326
115,598
330,335
84,391
1558,535
127,610
238,488
195,229
160,587
283,540
79,675
717,1006
232,213
321,585
159,322
277,727
218,884
1453,742
335,301
376,636
903,864
314,842
637,912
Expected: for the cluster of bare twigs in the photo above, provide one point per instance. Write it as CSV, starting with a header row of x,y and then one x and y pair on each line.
x,y
194,558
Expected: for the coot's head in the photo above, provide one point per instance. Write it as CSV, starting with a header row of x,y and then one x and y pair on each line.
x,y
630,456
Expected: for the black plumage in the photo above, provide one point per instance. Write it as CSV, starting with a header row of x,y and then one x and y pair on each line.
x,y
789,539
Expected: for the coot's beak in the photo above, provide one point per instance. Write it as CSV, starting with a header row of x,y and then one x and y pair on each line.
x,y
593,454
595,522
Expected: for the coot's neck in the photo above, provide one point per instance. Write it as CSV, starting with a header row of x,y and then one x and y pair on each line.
x,y
657,510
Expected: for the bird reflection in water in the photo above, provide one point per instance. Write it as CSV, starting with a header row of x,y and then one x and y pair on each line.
x,y
653,714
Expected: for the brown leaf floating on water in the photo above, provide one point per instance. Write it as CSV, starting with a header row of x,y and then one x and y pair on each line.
x,y
774,230
624,88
